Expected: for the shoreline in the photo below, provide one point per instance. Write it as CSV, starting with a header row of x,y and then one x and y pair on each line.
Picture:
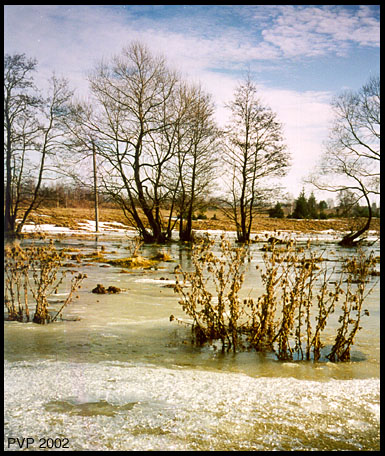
x,y
329,235
80,221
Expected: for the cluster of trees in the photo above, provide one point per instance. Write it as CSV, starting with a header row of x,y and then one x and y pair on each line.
x,y
348,206
304,208
155,138
67,195
152,139
310,208
145,137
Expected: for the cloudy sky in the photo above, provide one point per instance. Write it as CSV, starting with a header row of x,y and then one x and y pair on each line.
x,y
300,56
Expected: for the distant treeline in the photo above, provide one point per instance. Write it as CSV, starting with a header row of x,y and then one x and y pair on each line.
x,y
310,208
66,195
69,195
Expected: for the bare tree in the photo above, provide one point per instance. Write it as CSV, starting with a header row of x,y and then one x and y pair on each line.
x,y
253,151
154,134
347,201
196,155
32,132
134,93
351,160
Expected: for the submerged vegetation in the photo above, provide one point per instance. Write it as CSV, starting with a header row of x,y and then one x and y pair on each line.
x,y
132,262
290,317
101,289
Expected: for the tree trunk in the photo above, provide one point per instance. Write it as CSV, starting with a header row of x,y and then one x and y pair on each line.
x,y
157,235
95,188
9,222
187,231
350,239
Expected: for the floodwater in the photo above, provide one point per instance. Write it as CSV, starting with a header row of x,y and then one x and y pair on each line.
x,y
124,377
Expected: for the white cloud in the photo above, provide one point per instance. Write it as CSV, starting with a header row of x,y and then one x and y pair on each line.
x,y
311,31
71,39
306,117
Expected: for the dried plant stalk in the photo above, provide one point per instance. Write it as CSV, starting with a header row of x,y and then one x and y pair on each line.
x,y
357,271
214,317
289,317
16,280
38,270
134,245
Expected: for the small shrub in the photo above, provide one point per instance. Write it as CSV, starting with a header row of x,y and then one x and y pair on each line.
x,y
38,270
357,270
16,282
292,313
276,211
134,245
213,317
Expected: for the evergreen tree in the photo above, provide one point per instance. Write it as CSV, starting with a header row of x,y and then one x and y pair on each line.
x,y
322,205
276,211
312,207
301,209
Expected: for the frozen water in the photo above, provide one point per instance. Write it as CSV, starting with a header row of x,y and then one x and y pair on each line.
x,y
124,406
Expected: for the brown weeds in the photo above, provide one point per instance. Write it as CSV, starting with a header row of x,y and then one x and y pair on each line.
x,y
213,317
357,271
36,270
292,313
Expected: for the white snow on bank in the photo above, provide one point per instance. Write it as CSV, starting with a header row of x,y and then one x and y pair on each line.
x,y
117,228
46,228
156,281
261,236
88,227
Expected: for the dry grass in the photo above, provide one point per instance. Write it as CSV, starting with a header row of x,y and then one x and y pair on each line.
x,y
264,223
70,217
133,262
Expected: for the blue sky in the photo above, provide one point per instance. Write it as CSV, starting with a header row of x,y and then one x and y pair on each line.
x,y
300,56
